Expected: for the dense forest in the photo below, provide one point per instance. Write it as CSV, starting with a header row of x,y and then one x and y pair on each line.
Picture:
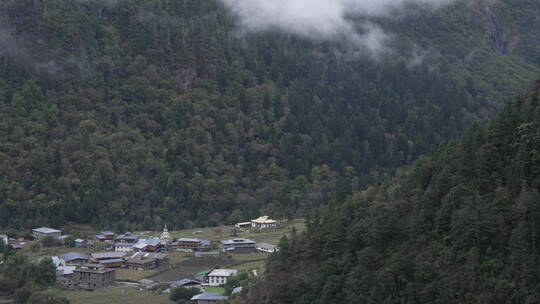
x,y
462,226
27,281
139,113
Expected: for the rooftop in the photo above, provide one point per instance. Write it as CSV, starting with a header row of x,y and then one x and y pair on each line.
x,y
189,240
153,242
237,241
148,255
204,272
108,255
46,230
264,220
141,261
184,282
137,246
128,236
65,270
266,245
70,256
94,270
243,223
209,296
223,272
122,244
110,261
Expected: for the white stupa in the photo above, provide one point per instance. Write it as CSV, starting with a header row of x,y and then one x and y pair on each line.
x,y
165,236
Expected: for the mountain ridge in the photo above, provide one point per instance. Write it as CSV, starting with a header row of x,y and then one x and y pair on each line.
x,y
139,113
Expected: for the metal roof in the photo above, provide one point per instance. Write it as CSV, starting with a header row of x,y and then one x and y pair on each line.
x,y
153,242
189,240
184,282
264,220
70,256
237,242
65,270
128,236
222,272
46,230
120,244
204,272
108,261
108,255
209,296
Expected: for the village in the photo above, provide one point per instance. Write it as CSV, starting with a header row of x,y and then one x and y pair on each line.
x,y
159,262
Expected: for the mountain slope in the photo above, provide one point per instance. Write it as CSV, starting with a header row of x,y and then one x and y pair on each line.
x,y
459,227
139,113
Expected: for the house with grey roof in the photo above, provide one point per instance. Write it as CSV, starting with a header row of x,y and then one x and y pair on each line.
x,y
43,232
219,277
209,298
112,263
239,245
266,248
80,243
188,243
148,260
186,283
94,276
74,258
149,284
123,247
105,236
150,245
107,255
127,237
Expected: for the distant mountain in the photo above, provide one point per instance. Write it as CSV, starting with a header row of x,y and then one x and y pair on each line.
x,y
138,113
459,227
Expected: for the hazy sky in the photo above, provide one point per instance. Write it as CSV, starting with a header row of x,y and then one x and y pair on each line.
x,y
327,20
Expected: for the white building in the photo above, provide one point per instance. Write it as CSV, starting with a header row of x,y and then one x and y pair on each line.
x,y
267,248
263,222
219,277
123,247
40,233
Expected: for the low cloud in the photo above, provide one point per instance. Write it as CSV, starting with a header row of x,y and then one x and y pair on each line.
x,y
348,21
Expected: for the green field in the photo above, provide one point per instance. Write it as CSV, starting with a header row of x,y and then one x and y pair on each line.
x,y
271,236
116,295
221,290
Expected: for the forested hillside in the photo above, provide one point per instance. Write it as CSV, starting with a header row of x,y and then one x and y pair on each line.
x,y
132,114
459,227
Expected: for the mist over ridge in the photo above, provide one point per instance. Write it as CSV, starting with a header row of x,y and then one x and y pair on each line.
x,y
323,20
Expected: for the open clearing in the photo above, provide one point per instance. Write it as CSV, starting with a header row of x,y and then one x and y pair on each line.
x,y
188,269
116,295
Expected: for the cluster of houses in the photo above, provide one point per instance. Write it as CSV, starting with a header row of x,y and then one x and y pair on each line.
x,y
129,250
98,269
208,278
